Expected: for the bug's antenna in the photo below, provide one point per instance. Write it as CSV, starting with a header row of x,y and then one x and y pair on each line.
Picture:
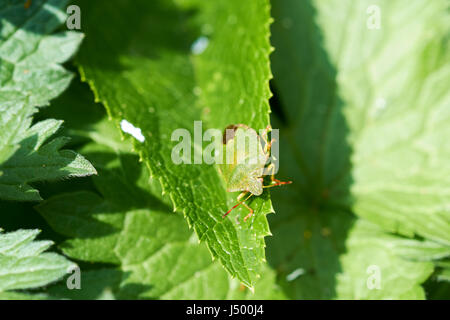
x,y
237,205
277,183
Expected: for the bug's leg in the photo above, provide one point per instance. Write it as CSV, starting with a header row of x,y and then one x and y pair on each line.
x,y
275,182
250,213
240,196
243,194
265,132
267,145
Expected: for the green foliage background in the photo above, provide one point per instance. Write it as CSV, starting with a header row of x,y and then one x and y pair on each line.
x,y
363,116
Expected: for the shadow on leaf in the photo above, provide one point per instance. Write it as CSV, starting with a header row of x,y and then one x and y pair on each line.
x,y
313,215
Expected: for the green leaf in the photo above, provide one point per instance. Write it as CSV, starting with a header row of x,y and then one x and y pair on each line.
x,y
25,265
391,93
11,295
326,254
422,250
95,285
443,273
372,253
148,69
31,54
155,254
363,115
31,75
27,158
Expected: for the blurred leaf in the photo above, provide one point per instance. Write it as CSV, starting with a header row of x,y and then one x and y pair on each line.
x,y
24,265
443,273
31,75
163,65
363,124
27,158
95,285
31,54
372,253
11,295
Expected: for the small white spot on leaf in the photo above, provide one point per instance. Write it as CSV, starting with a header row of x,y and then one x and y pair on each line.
x,y
200,45
130,129
295,274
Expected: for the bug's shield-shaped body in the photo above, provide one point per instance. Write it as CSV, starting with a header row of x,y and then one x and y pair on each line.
x,y
243,161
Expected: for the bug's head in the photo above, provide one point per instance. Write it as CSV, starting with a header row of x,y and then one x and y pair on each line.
x,y
229,131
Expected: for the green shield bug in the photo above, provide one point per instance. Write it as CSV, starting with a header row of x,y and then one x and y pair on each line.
x,y
245,163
